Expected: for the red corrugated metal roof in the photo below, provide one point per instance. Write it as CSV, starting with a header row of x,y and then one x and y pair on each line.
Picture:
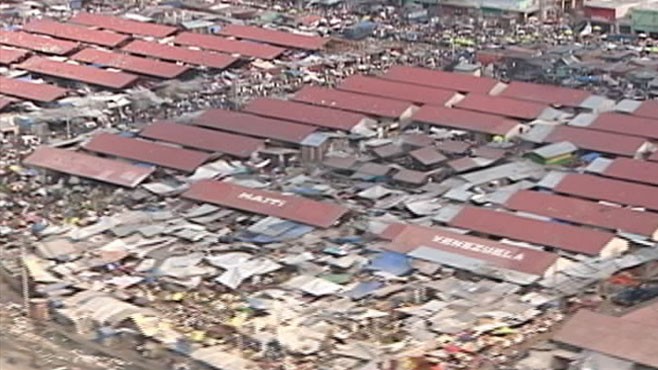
x,y
204,139
39,92
5,102
89,166
654,157
547,94
180,54
464,120
122,25
10,56
584,212
130,63
635,342
251,125
304,113
626,124
147,151
396,90
500,255
42,44
550,234
274,37
502,106
440,79
75,72
298,209
370,105
648,109
633,170
224,45
597,141
76,33
599,188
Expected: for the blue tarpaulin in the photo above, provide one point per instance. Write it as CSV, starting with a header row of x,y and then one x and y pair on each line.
x,y
391,262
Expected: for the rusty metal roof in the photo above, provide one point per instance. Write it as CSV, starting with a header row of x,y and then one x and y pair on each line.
x,y
440,79
544,233
76,72
228,46
648,109
10,56
5,102
612,336
147,152
42,44
632,170
460,119
251,125
626,124
428,156
76,33
293,208
305,113
180,54
396,90
599,141
584,212
654,157
546,94
526,260
599,188
122,25
88,166
130,63
204,139
370,105
274,37
502,106
39,92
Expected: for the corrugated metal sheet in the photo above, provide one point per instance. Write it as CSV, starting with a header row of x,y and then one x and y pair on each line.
x,y
147,152
654,157
204,139
545,94
599,188
501,106
370,105
550,234
5,102
464,120
396,90
75,72
274,37
612,336
130,63
302,210
441,79
304,113
584,212
180,54
247,124
42,44
648,109
43,93
633,170
122,25
500,255
10,56
224,45
626,124
75,33
428,156
88,166
598,141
